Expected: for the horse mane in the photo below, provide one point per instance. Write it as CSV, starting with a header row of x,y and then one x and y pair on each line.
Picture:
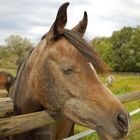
x,y
76,40
19,73
23,62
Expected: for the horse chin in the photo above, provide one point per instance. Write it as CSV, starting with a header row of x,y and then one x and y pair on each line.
x,y
101,133
104,136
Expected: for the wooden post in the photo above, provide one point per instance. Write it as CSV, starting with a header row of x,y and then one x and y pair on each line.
x,y
6,107
3,94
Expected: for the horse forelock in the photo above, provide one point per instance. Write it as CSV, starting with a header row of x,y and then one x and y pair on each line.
x,y
19,74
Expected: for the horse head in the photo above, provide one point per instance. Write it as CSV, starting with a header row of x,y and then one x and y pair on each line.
x,y
72,86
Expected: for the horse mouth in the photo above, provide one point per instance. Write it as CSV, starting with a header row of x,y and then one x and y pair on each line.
x,y
100,130
102,135
105,136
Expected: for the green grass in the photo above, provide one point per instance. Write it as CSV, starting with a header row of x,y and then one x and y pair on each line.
x,y
122,84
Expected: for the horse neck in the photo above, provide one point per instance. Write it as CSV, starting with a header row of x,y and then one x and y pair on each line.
x,y
24,93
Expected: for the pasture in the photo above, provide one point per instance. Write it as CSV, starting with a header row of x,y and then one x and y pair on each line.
x,y
122,84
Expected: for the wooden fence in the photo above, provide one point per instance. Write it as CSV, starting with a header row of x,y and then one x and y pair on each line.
x,y
22,123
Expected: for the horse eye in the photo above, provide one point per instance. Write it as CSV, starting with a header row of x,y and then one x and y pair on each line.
x,y
68,71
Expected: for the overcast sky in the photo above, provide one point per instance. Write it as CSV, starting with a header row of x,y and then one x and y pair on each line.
x,y
33,18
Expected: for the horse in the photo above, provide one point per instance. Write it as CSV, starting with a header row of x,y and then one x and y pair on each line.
x,y
109,80
6,80
59,75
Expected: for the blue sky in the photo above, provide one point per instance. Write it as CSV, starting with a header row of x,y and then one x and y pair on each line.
x,y
33,18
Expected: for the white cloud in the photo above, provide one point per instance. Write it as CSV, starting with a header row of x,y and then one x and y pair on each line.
x,y
32,18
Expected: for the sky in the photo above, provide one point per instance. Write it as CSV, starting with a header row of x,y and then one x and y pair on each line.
x,y
33,18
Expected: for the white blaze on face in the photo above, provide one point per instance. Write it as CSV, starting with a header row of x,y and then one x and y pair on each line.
x,y
93,68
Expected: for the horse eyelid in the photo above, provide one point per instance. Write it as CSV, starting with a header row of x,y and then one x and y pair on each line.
x,y
68,71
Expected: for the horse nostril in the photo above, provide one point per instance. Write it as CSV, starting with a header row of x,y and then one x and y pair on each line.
x,y
122,123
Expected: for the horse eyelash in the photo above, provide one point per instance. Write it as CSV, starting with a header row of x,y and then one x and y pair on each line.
x,y
68,71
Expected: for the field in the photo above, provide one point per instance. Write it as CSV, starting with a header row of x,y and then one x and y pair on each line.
x,y
122,84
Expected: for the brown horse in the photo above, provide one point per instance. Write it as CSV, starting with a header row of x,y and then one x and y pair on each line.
x,y
59,78
6,80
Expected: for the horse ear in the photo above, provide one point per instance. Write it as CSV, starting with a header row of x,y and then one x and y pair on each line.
x,y
81,27
60,21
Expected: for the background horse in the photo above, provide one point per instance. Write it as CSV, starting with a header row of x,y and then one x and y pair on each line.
x,y
6,80
59,78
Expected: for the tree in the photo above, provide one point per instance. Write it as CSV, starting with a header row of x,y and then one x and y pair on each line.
x,y
122,50
18,47
102,46
13,52
133,48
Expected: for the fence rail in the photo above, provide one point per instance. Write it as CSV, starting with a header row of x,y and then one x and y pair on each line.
x,y
22,123
129,97
127,73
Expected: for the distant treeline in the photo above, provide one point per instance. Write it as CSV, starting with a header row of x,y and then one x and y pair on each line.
x,y
121,51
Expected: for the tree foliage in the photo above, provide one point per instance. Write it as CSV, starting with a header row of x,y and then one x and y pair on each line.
x,y
122,50
14,50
